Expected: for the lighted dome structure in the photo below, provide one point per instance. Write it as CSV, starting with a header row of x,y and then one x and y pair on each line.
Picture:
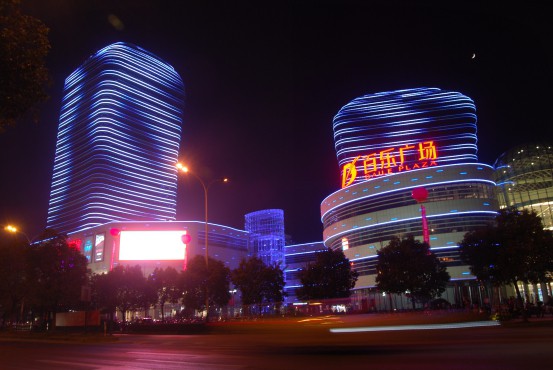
x,y
385,133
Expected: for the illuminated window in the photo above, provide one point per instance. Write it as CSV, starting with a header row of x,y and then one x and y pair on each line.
x,y
345,244
99,242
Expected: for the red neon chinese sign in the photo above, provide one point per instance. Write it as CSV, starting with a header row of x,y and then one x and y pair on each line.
x,y
391,160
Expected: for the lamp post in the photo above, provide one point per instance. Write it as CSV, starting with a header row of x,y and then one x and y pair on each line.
x,y
183,168
12,229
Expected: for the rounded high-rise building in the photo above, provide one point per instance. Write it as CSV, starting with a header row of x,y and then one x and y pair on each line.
x,y
524,177
118,141
389,144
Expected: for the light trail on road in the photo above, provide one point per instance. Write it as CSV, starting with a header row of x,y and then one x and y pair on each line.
x,y
416,327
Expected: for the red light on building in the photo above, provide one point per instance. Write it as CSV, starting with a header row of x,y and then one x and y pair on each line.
x,y
114,232
186,238
75,244
419,194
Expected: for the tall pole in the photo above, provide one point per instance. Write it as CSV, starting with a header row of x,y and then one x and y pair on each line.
x,y
206,254
205,226
206,238
425,236
206,245
420,195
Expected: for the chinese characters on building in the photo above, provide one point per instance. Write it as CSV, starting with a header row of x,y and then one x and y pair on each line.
x,y
391,160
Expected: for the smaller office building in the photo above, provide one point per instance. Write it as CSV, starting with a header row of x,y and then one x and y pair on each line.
x,y
158,244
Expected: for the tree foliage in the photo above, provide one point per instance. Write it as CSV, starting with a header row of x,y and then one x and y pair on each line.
x,y
165,283
480,250
330,276
131,290
14,284
197,281
103,292
46,277
516,248
58,273
23,75
408,266
259,283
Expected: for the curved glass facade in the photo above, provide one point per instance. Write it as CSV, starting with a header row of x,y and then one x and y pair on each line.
x,y
524,177
118,140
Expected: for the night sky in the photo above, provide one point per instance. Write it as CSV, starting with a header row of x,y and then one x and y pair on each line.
x,y
264,79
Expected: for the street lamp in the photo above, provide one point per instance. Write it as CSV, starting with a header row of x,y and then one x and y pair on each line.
x,y
12,229
183,168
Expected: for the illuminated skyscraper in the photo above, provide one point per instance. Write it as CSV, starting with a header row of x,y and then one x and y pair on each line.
x,y
118,141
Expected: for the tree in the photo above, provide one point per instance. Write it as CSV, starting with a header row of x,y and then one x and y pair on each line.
x,y
130,289
23,76
259,283
408,266
14,282
480,250
165,283
103,293
330,276
274,284
197,281
58,273
516,248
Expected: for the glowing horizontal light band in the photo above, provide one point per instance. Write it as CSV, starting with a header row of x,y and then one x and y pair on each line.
x,y
300,253
372,256
293,287
300,245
